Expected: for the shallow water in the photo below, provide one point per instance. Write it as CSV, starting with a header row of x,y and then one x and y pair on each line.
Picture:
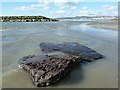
x,y
23,38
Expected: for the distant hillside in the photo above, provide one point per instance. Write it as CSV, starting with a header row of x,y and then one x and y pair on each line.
x,y
25,19
87,17
77,17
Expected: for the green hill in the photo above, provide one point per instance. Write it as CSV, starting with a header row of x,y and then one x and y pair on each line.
x,y
26,19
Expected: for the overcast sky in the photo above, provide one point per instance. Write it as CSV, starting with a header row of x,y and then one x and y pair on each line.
x,y
60,8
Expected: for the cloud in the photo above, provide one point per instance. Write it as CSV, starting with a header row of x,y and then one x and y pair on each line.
x,y
62,4
106,13
45,5
115,13
105,10
59,1
109,7
65,7
46,8
74,7
65,1
25,8
34,7
61,12
109,10
42,4
86,11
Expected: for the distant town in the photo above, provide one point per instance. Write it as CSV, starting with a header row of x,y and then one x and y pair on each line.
x,y
87,18
46,19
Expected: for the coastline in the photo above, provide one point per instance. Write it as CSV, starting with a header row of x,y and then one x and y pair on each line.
x,y
112,24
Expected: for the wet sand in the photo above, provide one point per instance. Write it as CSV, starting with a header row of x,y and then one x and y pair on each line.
x,y
112,24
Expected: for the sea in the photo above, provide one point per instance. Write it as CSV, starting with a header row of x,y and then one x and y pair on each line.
x,y
23,38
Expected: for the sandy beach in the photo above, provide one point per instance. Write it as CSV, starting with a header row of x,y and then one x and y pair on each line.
x,y
112,24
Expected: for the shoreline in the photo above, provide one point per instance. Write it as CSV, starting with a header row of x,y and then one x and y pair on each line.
x,y
112,24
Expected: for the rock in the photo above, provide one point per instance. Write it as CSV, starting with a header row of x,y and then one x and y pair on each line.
x,y
73,48
48,69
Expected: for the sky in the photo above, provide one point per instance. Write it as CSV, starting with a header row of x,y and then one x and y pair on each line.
x,y
57,8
